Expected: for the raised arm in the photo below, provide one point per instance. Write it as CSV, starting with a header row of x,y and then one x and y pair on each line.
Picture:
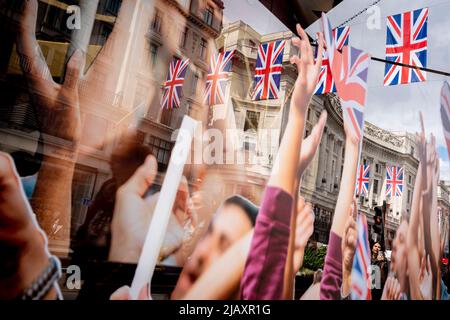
x,y
296,248
265,266
330,287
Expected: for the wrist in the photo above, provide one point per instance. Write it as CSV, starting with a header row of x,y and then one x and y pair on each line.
x,y
346,283
32,257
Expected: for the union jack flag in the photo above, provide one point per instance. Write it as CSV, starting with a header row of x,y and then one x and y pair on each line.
x,y
394,181
217,78
362,180
445,113
269,65
361,284
341,36
173,87
350,70
406,43
326,82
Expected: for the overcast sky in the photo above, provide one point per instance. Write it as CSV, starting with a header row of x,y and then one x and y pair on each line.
x,y
394,108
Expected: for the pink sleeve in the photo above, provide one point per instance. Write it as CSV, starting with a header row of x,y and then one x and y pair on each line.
x,y
330,286
264,269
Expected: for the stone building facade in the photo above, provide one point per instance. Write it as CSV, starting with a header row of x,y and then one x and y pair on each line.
x,y
320,184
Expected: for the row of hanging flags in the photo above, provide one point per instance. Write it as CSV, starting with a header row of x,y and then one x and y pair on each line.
x,y
406,43
394,181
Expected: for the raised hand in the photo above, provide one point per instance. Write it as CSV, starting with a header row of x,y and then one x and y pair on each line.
x,y
57,105
24,245
132,214
304,230
426,278
311,143
392,289
308,71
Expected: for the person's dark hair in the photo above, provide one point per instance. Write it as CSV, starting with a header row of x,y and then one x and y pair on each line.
x,y
249,207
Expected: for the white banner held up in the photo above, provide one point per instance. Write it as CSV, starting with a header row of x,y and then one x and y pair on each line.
x,y
163,209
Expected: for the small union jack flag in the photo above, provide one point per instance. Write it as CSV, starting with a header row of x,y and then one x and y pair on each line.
x,y
326,82
360,276
406,43
362,180
173,87
445,113
269,65
341,36
217,77
350,71
394,181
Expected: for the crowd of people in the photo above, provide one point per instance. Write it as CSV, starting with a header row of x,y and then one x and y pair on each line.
x,y
242,251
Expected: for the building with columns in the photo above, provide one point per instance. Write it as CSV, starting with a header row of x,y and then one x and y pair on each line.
x,y
321,181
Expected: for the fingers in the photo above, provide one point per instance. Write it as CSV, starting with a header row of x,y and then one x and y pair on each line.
x,y
143,177
305,41
8,172
320,52
300,204
32,61
75,67
317,131
123,293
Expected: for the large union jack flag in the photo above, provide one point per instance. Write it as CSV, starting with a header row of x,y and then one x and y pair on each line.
x,y
269,65
341,36
173,87
394,181
350,70
445,113
362,180
361,283
217,77
406,43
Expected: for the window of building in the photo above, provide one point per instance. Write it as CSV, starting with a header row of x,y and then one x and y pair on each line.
x,y
253,47
203,46
409,179
161,150
377,168
251,120
157,21
113,6
194,83
208,15
249,145
166,116
375,186
153,54
183,38
53,17
104,33
409,197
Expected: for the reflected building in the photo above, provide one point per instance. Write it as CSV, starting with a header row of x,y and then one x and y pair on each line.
x,y
129,74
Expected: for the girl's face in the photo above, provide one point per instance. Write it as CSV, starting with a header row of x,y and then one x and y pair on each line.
x,y
376,248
